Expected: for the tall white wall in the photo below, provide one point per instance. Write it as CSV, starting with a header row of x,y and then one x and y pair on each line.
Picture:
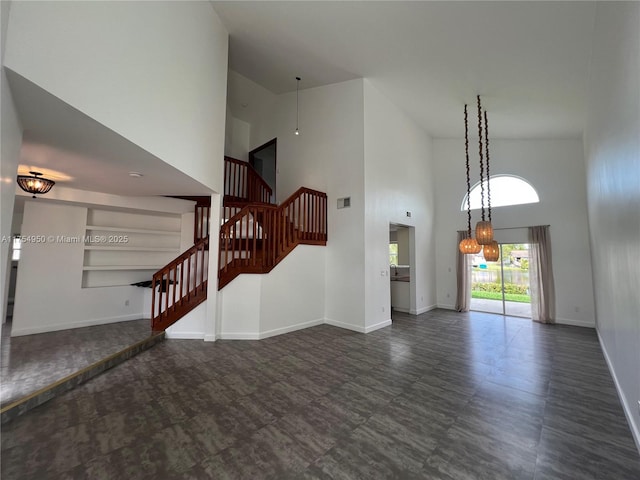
x,y
154,72
328,155
10,141
251,103
556,170
399,178
612,151
236,141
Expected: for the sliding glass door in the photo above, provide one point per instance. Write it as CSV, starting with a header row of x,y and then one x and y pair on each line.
x,y
503,286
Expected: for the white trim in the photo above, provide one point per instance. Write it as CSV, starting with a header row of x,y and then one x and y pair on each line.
x,y
423,309
346,326
575,323
66,326
239,336
635,429
209,338
401,309
377,326
446,307
291,328
184,335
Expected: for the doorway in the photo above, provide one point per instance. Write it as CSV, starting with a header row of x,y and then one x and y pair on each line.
x,y
402,273
502,286
264,160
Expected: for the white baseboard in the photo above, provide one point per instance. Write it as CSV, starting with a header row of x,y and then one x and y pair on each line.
x,y
377,326
239,336
423,310
267,333
66,326
346,326
184,335
575,323
400,309
210,338
635,428
291,328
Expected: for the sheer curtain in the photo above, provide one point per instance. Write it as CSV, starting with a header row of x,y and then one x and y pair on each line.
x,y
543,301
463,264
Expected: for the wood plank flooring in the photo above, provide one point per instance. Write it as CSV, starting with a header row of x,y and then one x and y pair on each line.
x,y
439,396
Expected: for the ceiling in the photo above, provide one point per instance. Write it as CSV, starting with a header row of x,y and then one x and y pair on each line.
x,y
528,60
78,152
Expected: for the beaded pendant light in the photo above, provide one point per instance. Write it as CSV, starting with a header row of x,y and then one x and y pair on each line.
x,y
491,251
468,245
484,229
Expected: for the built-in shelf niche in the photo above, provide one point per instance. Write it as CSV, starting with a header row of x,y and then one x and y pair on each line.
x,y
122,248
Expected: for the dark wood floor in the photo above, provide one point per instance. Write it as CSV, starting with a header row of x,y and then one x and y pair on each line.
x,y
438,396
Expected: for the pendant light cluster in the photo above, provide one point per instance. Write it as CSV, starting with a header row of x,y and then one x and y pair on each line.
x,y
484,229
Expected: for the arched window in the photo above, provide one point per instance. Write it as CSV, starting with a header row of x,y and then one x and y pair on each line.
x,y
505,190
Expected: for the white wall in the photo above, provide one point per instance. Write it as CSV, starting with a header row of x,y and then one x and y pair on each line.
x,y
289,298
555,168
328,155
398,172
292,294
10,141
237,138
55,300
612,151
239,306
49,294
251,103
191,326
154,72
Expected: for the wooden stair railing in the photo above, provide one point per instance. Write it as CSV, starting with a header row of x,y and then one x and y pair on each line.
x,y
201,224
202,215
180,286
243,183
259,236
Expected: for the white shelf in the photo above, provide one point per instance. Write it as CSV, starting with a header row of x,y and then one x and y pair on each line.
x,y
141,244
87,268
133,249
132,230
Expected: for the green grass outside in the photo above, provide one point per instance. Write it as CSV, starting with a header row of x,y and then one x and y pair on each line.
x,y
509,297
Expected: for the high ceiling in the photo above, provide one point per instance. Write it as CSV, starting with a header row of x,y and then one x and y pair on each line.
x,y
528,60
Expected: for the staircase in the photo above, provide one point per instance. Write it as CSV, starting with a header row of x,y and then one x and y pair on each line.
x,y
254,237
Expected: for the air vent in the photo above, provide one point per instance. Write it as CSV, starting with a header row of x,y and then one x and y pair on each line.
x,y
344,202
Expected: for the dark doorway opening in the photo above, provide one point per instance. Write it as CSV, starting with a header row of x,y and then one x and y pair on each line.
x,y
263,160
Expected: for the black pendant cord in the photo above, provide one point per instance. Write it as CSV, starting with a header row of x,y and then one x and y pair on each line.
x,y
481,161
297,100
486,145
466,151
